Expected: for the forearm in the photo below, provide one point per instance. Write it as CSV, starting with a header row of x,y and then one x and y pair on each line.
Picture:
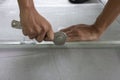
x,y
25,4
108,15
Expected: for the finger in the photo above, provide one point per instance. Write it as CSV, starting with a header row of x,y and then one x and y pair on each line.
x,y
78,38
73,33
24,32
73,36
49,35
28,31
38,29
41,36
32,34
67,29
68,32
74,39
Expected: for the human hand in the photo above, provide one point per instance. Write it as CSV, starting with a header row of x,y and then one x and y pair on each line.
x,y
35,26
81,32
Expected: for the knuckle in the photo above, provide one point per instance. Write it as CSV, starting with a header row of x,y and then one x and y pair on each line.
x,y
38,30
39,40
45,27
24,33
31,36
32,32
41,28
73,26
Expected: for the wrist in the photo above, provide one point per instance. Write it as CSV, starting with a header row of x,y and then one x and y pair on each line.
x,y
26,5
27,9
100,24
99,28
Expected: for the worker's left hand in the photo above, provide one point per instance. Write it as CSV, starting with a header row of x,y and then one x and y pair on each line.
x,y
81,32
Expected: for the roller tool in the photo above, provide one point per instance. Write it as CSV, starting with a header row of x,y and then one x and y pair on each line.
x,y
59,37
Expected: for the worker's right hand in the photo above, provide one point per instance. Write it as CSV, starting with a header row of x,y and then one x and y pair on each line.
x,y
35,26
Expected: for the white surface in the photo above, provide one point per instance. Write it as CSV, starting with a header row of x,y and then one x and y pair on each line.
x,y
104,1
58,64
7,3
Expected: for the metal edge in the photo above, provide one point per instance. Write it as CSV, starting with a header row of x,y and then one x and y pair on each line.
x,y
90,44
